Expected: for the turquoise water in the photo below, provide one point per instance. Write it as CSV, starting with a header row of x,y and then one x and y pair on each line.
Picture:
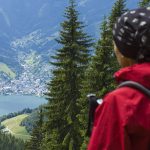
x,y
15,103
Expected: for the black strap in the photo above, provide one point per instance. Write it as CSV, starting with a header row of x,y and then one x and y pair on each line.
x,y
92,107
135,85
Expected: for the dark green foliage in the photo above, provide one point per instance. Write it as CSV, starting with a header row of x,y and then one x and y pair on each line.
x,y
30,121
144,3
11,115
99,78
37,134
8,142
118,9
66,111
62,127
99,75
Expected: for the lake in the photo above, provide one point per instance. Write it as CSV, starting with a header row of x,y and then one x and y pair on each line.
x,y
15,103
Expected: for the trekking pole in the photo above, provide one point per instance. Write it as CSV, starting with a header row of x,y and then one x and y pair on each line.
x,y
92,106
93,103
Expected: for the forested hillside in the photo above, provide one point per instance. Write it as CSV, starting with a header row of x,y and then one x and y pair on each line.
x,y
78,67
75,74
8,142
27,39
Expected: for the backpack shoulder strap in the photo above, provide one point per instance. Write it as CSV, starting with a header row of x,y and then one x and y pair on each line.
x,y
135,85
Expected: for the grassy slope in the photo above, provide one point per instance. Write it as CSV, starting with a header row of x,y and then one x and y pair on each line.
x,y
4,68
14,128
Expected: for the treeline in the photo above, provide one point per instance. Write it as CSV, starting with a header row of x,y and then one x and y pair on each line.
x,y
9,142
76,73
11,115
30,122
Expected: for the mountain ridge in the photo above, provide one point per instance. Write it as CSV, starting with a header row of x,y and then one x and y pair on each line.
x,y
25,29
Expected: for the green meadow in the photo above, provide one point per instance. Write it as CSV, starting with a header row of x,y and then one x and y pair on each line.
x,y
5,69
13,127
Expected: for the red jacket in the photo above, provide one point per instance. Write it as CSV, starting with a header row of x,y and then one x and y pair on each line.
x,y
122,122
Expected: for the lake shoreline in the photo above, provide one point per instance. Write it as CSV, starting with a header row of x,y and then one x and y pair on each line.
x,y
15,103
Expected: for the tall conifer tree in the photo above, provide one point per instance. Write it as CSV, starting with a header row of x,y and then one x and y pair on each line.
x,y
37,134
118,9
71,60
9,142
99,79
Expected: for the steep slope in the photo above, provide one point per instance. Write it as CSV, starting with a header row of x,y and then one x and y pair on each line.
x,y
13,127
31,27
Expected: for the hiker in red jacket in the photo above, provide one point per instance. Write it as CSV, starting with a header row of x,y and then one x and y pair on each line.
x,y
122,121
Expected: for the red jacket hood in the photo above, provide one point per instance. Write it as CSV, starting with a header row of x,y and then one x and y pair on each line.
x,y
139,73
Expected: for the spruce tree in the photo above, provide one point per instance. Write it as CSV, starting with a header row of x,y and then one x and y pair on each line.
x,y
37,134
9,142
118,9
99,75
70,62
144,3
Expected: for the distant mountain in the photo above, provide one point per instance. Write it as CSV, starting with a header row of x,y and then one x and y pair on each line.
x,y
28,29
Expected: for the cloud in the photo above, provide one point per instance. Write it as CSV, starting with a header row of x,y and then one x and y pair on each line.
x,y
6,18
53,36
82,2
42,10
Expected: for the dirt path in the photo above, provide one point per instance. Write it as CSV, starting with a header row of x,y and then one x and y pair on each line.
x,y
9,131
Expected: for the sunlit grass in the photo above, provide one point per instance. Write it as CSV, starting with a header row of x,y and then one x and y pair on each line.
x,y
4,68
13,126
